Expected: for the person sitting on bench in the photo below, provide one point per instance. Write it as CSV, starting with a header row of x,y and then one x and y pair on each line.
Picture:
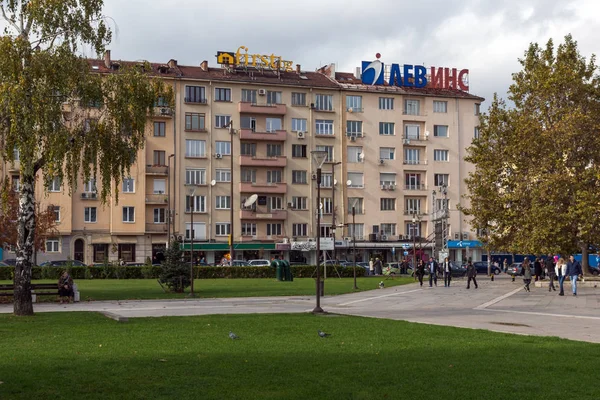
x,y
65,288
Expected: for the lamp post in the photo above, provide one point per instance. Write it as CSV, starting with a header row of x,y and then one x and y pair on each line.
x,y
333,205
414,225
354,241
231,237
169,201
319,158
192,193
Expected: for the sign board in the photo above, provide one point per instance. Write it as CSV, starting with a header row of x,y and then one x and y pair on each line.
x,y
405,253
244,59
406,246
304,246
463,244
326,243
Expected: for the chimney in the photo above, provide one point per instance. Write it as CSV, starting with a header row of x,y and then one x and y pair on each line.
x,y
107,58
204,65
172,63
357,73
298,68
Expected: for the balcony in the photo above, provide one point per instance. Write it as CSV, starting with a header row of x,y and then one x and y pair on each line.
x,y
254,161
163,112
388,186
277,136
414,115
415,187
264,109
89,196
411,212
262,238
264,214
156,228
415,162
156,199
157,170
263,187
415,140
193,100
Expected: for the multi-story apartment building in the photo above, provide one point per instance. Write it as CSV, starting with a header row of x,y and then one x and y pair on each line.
x,y
245,130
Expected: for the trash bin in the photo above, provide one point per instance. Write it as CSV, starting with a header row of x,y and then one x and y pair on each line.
x,y
287,271
278,270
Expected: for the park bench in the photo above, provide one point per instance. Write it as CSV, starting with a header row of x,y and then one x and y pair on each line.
x,y
37,289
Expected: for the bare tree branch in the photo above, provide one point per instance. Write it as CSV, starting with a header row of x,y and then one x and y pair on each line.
x,y
9,21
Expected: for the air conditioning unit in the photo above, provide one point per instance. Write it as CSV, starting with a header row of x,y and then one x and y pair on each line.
x,y
384,237
406,141
313,177
290,205
383,187
285,240
301,135
392,187
353,138
166,111
84,195
456,236
93,195
381,161
218,155
262,92
465,236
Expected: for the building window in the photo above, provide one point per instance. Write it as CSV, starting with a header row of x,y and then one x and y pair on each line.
x,y
440,179
248,149
128,185
440,106
52,245
412,131
249,96
274,150
324,127
326,180
199,231
356,180
274,124
274,176
354,128
477,108
386,128
411,156
223,148
386,103
223,175
413,206
355,154
273,98
196,176
159,128
273,229
222,120
356,231
299,177
411,107
195,148
413,230
223,202
440,155
159,216
354,103
56,211
16,183
16,154
55,184
299,99
325,230
90,186
324,102
160,158
248,175
275,203
299,151
387,230
194,122
413,182
298,125
442,204
300,203
90,214
476,133
248,123
222,94
248,229
387,178
387,153
300,230
100,253
387,204
128,214
198,203
222,228
127,252
440,130
357,203
195,94
328,150
159,186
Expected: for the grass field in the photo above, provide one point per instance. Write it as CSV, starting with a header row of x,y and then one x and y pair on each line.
x,y
87,356
130,289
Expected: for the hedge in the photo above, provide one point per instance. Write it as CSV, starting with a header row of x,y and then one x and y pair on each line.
x,y
152,272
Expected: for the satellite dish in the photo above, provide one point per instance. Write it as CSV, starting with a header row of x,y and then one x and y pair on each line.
x,y
361,156
350,110
426,133
213,182
348,182
250,200
335,181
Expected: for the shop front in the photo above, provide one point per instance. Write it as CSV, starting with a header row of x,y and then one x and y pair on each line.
x,y
462,250
214,253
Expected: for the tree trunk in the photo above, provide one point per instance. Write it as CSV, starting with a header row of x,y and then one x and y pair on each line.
x,y
585,260
25,245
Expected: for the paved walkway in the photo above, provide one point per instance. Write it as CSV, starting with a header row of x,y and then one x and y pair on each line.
x,y
501,306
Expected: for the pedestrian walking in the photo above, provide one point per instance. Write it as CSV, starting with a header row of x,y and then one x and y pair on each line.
x,y
537,268
573,272
378,267
561,273
526,272
550,272
420,271
432,266
371,270
447,269
505,265
471,274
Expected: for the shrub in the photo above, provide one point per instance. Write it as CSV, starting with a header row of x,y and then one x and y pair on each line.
x,y
175,274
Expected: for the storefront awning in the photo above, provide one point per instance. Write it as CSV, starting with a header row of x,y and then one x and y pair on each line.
x,y
225,246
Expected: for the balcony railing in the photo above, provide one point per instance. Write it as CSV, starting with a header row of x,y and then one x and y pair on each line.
x,y
266,109
192,100
415,162
156,228
415,187
89,196
411,212
276,136
263,187
156,198
253,161
263,214
407,139
415,113
157,170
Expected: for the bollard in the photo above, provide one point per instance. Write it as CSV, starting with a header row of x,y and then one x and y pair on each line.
x,y
513,278
492,277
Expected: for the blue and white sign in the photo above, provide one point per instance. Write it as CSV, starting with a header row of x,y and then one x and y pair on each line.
x,y
463,244
406,253
412,75
406,246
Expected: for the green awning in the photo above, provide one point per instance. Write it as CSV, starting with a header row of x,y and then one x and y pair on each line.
x,y
225,246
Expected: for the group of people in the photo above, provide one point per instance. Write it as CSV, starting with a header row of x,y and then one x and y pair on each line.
x,y
445,269
556,268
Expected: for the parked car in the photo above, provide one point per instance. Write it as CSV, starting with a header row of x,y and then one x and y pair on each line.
x,y
259,263
335,262
482,267
514,269
360,266
458,271
239,263
62,263
10,261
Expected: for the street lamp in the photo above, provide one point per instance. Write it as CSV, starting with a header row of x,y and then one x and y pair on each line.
x,y
333,181
169,201
318,157
415,217
354,240
192,203
231,237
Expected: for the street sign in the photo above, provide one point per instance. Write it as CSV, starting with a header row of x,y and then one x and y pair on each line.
x,y
405,246
405,253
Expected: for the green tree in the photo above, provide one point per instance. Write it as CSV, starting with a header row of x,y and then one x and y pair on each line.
x,y
536,183
175,273
65,119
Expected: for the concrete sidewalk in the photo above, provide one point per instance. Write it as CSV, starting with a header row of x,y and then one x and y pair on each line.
x,y
501,306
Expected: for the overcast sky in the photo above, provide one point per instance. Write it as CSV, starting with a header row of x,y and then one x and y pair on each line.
x,y
485,36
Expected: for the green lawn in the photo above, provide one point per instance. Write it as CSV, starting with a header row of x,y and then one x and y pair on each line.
x,y
127,289
88,356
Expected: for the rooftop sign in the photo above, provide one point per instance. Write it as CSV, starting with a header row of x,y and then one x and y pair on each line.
x,y
414,76
253,60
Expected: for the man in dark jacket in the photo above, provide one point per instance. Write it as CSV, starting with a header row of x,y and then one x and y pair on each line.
x,y
573,271
549,264
432,267
471,274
